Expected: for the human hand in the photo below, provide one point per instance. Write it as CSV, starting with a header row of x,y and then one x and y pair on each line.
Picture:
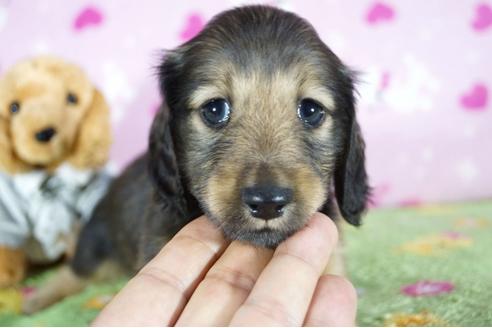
x,y
199,279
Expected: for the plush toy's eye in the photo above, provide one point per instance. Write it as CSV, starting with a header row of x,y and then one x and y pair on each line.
x,y
311,113
72,99
14,107
216,113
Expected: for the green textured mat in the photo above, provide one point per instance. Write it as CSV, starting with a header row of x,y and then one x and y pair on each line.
x,y
422,266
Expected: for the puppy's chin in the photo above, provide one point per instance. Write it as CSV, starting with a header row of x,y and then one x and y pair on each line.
x,y
266,237
256,231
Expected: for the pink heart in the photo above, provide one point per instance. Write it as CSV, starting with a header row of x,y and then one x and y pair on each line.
x,y
410,202
476,98
453,235
194,25
427,288
379,12
89,16
483,18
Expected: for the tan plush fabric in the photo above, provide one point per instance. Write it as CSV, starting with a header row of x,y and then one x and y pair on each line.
x,y
51,117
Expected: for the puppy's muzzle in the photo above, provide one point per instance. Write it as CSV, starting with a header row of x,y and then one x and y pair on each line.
x,y
266,202
45,135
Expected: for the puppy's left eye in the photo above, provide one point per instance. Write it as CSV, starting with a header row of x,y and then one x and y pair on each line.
x,y
311,113
216,113
72,99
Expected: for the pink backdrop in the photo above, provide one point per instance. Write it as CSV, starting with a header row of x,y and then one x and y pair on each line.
x,y
424,92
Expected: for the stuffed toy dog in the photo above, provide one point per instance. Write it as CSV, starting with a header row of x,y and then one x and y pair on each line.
x,y
54,140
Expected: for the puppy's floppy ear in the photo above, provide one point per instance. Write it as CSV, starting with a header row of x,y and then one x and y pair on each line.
x,y
163,163
162,158
351,185
93,141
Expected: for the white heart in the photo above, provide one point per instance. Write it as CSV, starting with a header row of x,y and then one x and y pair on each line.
x,y
3,17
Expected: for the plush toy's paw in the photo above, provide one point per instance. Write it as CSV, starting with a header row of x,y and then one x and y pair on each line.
x,y
34,303
64,283
12,266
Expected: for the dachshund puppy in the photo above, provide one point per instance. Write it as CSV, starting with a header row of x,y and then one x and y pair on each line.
x,y
257,129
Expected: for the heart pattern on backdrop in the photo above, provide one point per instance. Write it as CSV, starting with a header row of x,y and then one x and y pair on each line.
x,y
483,18
379,13
475,99
194,25
89,16
403,53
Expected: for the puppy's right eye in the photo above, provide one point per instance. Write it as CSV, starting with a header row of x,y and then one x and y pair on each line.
x,y
311,113
216,113
14,107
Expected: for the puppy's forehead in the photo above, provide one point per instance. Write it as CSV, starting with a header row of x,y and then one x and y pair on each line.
x,y
247,86
246,52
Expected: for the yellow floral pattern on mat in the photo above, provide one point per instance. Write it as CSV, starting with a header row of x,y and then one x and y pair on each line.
x,y
436,244
473,223
420,319
98,302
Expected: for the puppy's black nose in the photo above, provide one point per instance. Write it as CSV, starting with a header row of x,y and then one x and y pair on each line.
x,y
266,202
45,135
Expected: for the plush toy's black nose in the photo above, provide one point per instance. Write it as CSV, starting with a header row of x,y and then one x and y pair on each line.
x,y
45,135
266,202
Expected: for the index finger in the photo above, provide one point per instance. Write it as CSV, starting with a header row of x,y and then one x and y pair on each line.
x,y
158,293
285,288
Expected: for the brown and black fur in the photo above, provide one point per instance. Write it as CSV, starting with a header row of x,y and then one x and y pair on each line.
x,y
263,61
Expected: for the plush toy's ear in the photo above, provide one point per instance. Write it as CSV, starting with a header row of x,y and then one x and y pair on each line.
x,y
6,153
7,157
9,162
351,186
93,141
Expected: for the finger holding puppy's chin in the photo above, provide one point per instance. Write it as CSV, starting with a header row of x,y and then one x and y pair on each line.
x,y
284,290
245,278
245,269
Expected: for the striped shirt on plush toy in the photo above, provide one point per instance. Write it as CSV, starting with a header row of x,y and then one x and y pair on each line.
x,y
38,210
